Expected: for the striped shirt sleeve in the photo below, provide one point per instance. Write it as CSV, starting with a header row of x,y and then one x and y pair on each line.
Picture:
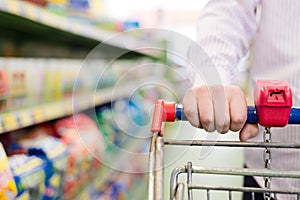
x,y
225,29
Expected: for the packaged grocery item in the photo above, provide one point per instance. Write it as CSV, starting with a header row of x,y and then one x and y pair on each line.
x,y
114,189
131,24
69,70
53,81
52,151
8,189
61,2
17,83
120,122
4,87
57,6
29,175
112,135
41,3
79,5
34,71
23,196
85,143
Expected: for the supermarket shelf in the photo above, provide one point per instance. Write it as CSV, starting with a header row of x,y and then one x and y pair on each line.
x,y
94,35
103,174
85,180
13,120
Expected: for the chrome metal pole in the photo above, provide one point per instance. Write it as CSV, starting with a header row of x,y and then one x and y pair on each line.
x,y
159,172
151,183
174,180
180,192
231,144
189,180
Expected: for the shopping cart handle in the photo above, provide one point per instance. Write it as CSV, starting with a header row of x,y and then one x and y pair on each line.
x,y
273,107
170,111
252,117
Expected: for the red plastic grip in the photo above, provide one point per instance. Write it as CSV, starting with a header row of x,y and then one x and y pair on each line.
x,y
273,101
163,111
170,111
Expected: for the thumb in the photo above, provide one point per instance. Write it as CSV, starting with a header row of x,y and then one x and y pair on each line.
x,y
248,131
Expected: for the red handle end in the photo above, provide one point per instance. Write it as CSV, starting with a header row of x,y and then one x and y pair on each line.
x,y
170,111
157,116
163,111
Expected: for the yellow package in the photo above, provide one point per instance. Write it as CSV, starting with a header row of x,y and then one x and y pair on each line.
x,y
8,189
62,2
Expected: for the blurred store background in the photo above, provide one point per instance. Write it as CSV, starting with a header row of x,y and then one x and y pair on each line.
x,y
75,99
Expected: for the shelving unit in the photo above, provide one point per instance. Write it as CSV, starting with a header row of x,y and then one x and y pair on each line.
x,y
21,118
21,22
68,30
101,175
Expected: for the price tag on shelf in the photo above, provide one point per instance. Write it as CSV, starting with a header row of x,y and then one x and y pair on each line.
x,y
2,128
38,115
25,118
30,12
61,110
10,121
77,28
98,98
14,7
56,110
48,112
51,20
69,107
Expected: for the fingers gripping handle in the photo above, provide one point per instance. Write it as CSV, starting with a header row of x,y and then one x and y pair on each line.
x,y
252,115
170,111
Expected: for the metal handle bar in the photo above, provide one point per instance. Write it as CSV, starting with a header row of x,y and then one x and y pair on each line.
x,y
252,116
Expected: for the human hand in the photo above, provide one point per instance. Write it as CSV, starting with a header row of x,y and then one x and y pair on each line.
x,y
220,108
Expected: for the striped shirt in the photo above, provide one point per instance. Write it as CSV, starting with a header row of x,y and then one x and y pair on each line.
x,y
227,29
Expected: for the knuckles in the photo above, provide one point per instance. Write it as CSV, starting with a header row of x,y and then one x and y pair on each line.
x,y
224,128
208,120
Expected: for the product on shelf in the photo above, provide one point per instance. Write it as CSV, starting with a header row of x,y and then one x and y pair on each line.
x,y
31,81
120,186
17,83
53,79
120,122
108,127
42,3
79,5
8,189
29,175
4,88
85,145
53,153
34,71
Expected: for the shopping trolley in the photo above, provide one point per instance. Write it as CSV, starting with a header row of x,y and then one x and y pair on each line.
x,y
273,108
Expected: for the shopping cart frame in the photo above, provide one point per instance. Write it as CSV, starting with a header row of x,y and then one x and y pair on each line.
x,y
156,178
156,167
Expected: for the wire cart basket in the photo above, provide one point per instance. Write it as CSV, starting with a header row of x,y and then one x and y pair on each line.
x,y
166,111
